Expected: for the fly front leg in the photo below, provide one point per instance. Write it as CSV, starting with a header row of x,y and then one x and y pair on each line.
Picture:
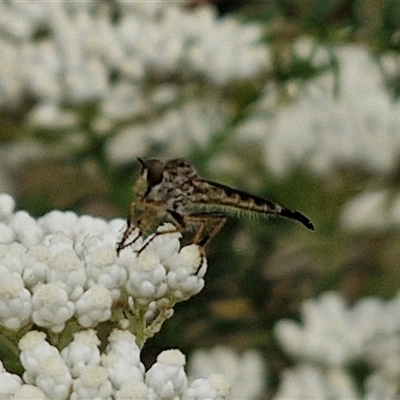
x,y
142,216
177,220
157,234
128,231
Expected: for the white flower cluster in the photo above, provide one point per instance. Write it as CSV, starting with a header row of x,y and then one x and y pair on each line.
x,y
120,56
81,371
63,268
372,210
331,338
358,126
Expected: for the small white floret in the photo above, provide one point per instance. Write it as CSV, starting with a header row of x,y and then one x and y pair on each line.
x,y
91,384
26,229
58,221
135,390
65,266
82,351
15,301
94,306
29,392
51,306
122,359
9,384
7,205
7,235
167,376
44,366
34,350
53,377
146,281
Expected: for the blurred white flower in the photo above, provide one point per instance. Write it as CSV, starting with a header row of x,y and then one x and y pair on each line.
x,y
245,372
306,382
329,334
323,131
377,211
333,336
119,58
48,115
183,126
378,386
216,387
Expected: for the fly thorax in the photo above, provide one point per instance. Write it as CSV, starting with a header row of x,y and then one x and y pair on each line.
x,y
156,193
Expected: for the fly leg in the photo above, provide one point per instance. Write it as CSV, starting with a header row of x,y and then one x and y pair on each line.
x,y
209,224
156,234
128,231
180,226
141,216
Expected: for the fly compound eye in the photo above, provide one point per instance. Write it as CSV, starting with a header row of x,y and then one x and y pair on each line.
x,y
154,172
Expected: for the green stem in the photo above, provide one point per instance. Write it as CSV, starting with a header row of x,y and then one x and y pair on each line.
x,y
139,326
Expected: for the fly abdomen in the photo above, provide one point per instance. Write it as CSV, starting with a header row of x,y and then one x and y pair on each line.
x,y
293,214
215,197
247,202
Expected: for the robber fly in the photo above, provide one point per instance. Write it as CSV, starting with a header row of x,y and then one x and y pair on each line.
x,y
173,191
